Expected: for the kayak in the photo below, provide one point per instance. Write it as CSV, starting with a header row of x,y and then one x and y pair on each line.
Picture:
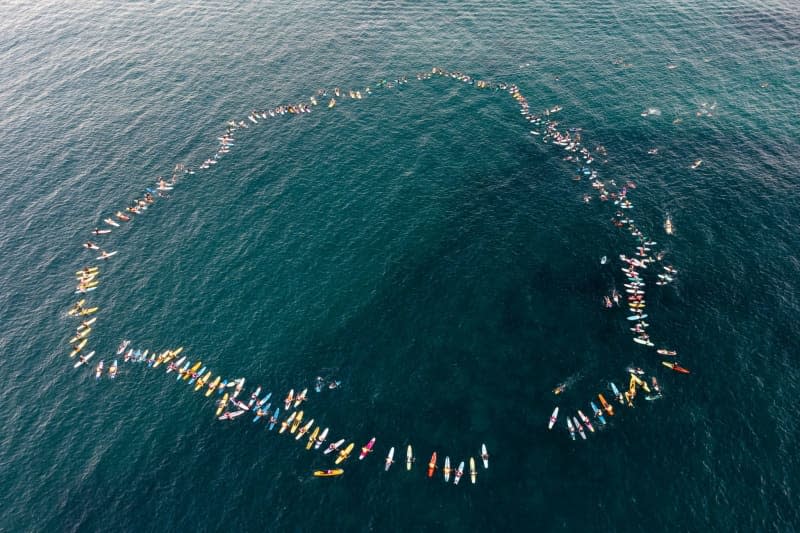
x,y
82,360
321,438
571,428
303,430
86,312
459,473
598,414
334,446
106,255
675,366
585,420
664,351
99,371
605,404
328,473
296,423
432,465
313,438
111,222
274,418
366,449
112,371
484,456
222,403
285,424
553,418
212,386
389,459
636,317
409,457
344,454
447,469
473,472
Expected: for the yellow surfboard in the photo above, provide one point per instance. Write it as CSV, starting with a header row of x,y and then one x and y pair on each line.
x,y
344,454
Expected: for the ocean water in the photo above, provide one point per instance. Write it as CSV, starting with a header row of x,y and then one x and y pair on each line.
x,y
419,245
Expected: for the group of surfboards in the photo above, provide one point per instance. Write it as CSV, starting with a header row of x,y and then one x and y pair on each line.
x,y
633,267
200,377
295,422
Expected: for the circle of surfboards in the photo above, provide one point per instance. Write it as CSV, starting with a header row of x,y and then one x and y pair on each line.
x,y
88,280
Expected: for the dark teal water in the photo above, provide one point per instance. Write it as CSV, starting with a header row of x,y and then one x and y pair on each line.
x,y
419,244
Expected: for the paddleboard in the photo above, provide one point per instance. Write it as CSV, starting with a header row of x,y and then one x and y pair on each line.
x,y
303,430
473,472
321,438
296,423
333,446
553,418
84,359
222,403
313,438
274,418
389,459
366,449
432,465
459,473
344,454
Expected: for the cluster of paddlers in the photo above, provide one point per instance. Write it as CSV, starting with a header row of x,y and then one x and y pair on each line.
x,y
198,376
